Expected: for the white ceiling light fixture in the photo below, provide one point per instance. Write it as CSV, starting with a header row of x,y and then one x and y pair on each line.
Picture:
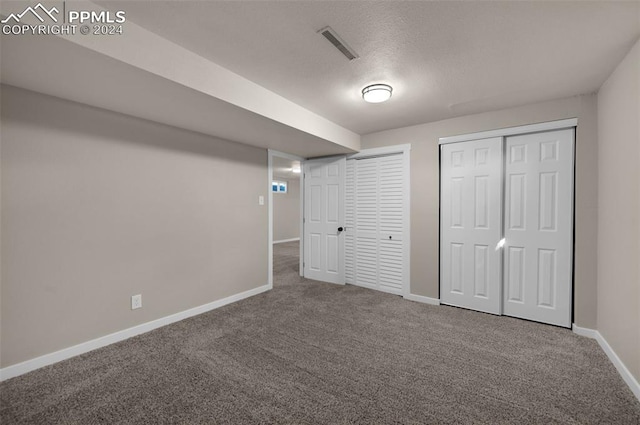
x,y
377,93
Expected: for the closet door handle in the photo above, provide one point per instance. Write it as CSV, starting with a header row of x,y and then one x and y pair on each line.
x,y
500,243
340,229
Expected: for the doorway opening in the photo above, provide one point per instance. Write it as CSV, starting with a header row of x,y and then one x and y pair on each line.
x,y
285,219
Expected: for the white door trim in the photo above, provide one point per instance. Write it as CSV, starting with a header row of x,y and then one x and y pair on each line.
x,y
271,154
385,150
512,131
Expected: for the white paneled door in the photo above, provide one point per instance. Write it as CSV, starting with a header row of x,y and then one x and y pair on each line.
x,y
470,222
506,217
539,226
376,223
324,183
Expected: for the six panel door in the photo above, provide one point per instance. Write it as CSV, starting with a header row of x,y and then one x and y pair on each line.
x,y
324,182
539,226
470,223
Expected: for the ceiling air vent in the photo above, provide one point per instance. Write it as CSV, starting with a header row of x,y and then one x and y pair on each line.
x,y
335,39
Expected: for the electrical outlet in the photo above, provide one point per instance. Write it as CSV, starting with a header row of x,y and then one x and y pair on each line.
x,y
136,301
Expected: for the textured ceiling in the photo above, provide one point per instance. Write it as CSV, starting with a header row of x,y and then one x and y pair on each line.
x,y
444,59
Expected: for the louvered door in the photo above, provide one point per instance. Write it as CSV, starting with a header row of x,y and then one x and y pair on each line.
x,y
375,223
390,223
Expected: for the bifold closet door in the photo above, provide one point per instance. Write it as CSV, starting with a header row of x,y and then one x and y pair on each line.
x,y
470,220
539,226
375,223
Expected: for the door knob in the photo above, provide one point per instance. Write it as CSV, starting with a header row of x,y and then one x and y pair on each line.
x,y
340,229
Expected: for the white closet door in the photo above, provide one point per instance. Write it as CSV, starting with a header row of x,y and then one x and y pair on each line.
x,y
391,223
323,216
375,223
539,226
470,222
349,221
366,223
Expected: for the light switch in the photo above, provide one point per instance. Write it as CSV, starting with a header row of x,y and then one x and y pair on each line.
x,y
260,200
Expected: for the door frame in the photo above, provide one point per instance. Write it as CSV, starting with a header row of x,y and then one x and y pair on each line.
x,y
512,131
271,154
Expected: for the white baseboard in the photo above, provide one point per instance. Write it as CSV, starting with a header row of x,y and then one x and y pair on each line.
x,y
630,380
286,240
66,353
422,299
589,333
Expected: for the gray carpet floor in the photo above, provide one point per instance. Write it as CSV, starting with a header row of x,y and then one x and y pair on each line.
x,y
286,264
315,353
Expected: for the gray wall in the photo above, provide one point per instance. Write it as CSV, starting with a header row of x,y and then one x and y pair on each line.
x,y
98,206
425,188
286,211
619,211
